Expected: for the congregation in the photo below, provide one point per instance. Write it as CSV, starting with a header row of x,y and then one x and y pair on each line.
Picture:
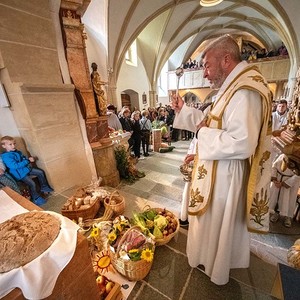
x,y
141,123
248,53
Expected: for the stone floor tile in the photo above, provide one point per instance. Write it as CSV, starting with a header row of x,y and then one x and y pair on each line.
x,y
260,274
169,272
146,292
200,287
167,192
178,242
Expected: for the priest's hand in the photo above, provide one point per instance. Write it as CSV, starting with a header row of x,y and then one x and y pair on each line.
x,y
189,158
176,102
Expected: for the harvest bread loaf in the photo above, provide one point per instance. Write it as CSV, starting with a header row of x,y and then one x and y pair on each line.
x,y
24,237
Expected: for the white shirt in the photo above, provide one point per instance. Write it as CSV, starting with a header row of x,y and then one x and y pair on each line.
x,y
279,120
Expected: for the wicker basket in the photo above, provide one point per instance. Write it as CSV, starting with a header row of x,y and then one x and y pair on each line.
x,y
132,270
88,213
116,202
165,240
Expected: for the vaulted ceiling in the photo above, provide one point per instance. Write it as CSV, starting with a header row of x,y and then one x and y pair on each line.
x,y
174,30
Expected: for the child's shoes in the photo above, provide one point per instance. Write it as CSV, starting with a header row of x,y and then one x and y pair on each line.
x,y
39,201
46,189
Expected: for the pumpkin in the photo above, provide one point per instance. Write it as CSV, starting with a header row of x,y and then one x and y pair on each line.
x,y
293,255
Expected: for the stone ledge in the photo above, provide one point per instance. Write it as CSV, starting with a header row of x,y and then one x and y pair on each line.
x,y
42,88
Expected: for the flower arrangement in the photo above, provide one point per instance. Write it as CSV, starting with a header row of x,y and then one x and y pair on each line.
x,y
137,254
97,237
119,227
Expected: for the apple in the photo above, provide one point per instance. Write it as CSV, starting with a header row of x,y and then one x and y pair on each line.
x,y
101,280
109,287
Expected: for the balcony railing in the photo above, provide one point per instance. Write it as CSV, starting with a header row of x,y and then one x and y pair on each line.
x,y
273,69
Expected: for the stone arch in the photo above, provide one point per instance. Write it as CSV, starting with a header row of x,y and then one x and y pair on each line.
x,y
130,98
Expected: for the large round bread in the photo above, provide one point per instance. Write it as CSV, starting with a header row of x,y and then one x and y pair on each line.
x,y
24,237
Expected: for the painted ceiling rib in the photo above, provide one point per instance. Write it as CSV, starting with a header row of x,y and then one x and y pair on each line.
x,y
154,69
123,30
176,32
119,59
293,37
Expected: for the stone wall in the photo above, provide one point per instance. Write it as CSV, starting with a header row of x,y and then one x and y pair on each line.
x,y
42,105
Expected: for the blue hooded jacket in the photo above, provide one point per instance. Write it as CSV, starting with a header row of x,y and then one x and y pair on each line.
x,y
18,164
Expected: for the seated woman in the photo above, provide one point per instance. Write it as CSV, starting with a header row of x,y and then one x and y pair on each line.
x,y
165,134
158,124
6,179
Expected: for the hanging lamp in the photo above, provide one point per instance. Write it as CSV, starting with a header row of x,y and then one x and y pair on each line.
x,y
207,3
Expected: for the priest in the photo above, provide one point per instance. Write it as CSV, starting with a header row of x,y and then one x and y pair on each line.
x,y
229,192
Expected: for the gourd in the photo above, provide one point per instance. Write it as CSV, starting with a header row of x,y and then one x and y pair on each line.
x,y
293,255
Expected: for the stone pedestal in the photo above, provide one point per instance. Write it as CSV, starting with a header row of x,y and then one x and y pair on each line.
x,y
105,162
97,129
156,139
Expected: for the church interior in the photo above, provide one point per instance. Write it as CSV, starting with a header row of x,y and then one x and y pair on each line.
x,y
62,62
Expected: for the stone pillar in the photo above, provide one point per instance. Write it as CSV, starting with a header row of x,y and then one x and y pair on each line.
x,y
42,105
112,89
152,99
97,128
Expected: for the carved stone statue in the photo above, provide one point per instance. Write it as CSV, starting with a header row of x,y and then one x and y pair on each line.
x,y
97,83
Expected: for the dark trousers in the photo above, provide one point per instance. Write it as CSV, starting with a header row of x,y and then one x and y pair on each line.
x,y
175,133
136,145
145,141
40,174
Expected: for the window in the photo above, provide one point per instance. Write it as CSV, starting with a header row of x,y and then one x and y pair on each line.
x,y
131,55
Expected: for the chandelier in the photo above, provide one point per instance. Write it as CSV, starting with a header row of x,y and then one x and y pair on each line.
x,y
208,3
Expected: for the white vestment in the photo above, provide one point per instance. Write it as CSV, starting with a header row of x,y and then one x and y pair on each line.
x,y
219,238
187,185
285,197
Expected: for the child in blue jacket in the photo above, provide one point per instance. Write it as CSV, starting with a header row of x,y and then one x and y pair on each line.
x,y
19,166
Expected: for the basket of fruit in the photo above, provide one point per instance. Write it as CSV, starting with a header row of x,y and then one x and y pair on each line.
x,y
161,224
108,289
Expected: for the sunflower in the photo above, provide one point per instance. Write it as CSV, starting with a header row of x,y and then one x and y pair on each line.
x,y
95,232
134,254
112,237
120,226
147,255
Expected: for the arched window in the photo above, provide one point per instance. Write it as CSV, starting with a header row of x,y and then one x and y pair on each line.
x,y
131,55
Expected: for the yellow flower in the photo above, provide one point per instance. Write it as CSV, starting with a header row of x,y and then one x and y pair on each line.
x,y
147,255
119,227
112,236
133,250
95,232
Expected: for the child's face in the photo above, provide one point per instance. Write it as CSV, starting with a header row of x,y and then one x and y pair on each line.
x,y
9,146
